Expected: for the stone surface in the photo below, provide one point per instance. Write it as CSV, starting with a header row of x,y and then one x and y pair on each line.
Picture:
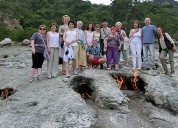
x,y
6,41
53,103
26,42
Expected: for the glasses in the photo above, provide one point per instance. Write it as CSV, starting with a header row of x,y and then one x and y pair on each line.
x,y
42,29
94,40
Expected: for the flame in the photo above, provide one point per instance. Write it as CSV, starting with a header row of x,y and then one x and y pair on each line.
x,y
134,80
120,81
84,94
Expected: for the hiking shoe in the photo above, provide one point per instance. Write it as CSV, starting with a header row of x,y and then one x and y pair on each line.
x,y
38,77
172,75
67,75
31,79
146,69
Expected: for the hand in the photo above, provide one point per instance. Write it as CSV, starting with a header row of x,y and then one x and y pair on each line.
x,y
33,51
174,48
119,47
68,44
49,50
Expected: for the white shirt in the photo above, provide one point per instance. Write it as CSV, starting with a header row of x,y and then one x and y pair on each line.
x,y
53,39
70,36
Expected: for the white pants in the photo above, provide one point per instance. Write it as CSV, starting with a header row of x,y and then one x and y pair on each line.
x,y
136,48
52,65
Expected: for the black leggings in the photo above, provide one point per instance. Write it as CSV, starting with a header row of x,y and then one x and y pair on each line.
x,y
37,60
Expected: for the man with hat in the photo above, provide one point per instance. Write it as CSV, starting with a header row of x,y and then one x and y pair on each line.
x,y
104,32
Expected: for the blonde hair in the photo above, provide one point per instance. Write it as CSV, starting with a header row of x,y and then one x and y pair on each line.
x,y
65,16
118,23
42,26
97,26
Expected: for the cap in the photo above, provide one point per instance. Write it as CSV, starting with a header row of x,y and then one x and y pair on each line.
x,y
104,20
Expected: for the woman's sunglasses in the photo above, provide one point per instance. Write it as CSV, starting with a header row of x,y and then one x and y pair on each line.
x,y
42,29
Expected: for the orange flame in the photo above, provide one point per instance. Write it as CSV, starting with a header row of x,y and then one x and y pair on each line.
x,y
120,81
84,94
134,80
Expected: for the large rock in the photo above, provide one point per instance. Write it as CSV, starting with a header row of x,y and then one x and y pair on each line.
x,y
6,41
106,93
161,91
46,106
26,42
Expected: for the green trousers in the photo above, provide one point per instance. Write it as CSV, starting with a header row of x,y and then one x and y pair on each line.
x,y
163,54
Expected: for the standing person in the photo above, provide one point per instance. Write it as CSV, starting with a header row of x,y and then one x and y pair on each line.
x,y
38,41
122,34
148,43
52,39
112,45
94,55
70,38
104,31
81,45
166,46
62,29
136,45
89,36
96,34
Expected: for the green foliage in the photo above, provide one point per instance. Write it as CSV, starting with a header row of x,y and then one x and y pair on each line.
x,y
32,13
4,32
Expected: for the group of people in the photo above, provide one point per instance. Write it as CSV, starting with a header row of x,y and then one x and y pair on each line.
x,y
88,47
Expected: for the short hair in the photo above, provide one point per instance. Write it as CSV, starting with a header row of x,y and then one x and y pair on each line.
x,y
65,16
79,22
71,21
92,29
97,25
53,24
137,22
113,27
118,23
42,26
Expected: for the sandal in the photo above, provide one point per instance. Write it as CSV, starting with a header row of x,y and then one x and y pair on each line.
x,y
116,67
63,72
109,68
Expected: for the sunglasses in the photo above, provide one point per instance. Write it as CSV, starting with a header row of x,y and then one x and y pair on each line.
x,y
42,29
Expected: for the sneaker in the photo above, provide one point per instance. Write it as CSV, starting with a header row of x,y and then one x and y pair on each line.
x,y
75,73
31,79
172,75
67,75
139,68
127,65
165,72
133,68
39,77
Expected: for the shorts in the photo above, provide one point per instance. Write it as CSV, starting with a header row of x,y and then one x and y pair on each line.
x,y
95,62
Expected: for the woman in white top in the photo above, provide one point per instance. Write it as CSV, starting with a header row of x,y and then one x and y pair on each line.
x,y
52,39
70,38
62,29
136,45
89,36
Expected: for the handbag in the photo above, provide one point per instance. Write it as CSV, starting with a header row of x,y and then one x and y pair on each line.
x,y
45,53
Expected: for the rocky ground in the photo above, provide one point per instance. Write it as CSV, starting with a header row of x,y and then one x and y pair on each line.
x,y
52,103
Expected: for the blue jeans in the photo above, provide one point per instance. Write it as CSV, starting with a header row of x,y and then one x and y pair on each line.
x,y
150,48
